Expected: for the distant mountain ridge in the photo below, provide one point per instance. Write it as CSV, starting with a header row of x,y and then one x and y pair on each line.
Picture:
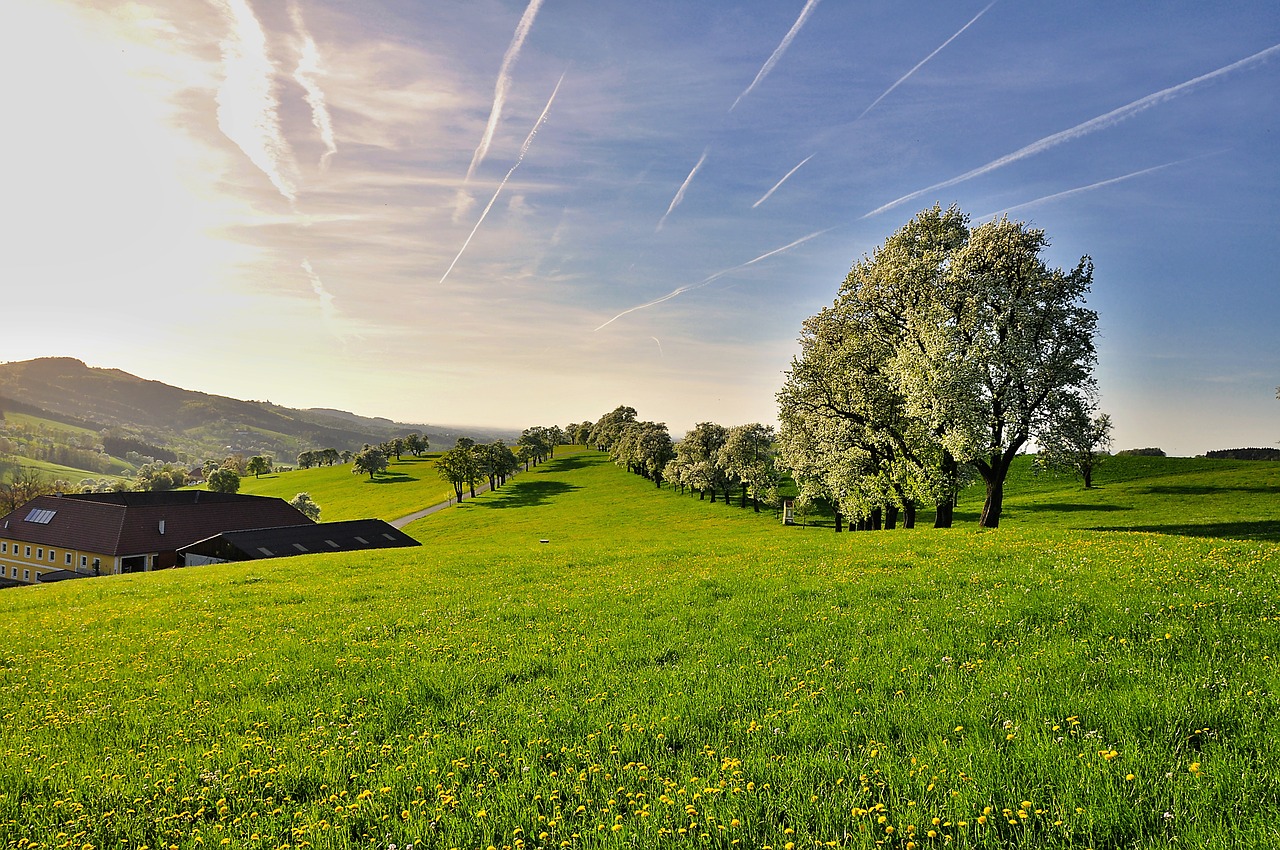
x,y
195,423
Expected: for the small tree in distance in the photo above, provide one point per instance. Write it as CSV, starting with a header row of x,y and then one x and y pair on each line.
x,y
1076,441
223,480
258,465
370,460
306,506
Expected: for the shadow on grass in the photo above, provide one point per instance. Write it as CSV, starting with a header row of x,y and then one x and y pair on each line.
x,y
525,494
391,478
1253,530
563,464
1203,490
1066,508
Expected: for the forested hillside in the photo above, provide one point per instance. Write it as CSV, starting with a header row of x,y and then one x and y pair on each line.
x,y
167,418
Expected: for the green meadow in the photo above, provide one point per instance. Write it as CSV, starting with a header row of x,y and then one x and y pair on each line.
x,y
408,485
580,660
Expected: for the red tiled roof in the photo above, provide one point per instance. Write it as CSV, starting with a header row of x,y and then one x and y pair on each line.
x,y
117,525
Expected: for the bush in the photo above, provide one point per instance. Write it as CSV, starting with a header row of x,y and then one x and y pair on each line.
x,y
1141,453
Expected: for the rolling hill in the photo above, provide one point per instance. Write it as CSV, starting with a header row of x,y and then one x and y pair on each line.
x,y
193,423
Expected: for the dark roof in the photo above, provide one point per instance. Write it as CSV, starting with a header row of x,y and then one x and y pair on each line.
x,y
130,523
59,575
151,498
348,536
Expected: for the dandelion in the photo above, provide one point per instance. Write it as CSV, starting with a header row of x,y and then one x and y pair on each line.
x,y
1194,768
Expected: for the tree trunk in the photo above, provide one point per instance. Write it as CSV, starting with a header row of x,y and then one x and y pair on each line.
x,y
755,500
994,505
473,489
891,518
994,473
1087,472
909,514
945,515
702,493
877,519
839,522
743,503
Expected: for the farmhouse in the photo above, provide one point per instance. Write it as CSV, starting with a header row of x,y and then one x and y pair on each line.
x,y
251,544
111,533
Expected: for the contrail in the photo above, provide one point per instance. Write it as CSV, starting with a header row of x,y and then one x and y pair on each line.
x,y
306,74
922,62
248,112
784,179
683,289
661,353
1111,118
777,53
523,150
1079,189
504,83
675,202
317,286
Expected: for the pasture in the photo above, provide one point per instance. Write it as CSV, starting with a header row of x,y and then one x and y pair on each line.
x,y
408,484
667,672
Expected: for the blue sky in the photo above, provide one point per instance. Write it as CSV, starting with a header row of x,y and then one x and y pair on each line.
x,y
517,213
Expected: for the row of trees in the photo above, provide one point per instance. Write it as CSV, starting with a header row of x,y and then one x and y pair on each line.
x,y
710,459
947,348
468,462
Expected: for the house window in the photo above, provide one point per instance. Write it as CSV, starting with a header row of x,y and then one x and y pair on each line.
x,y
53,556
4,547
84,560
28,555
39,553
26,575
97,566
68,559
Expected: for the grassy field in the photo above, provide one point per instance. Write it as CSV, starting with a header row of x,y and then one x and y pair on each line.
x,y
408,485
56,471
666,672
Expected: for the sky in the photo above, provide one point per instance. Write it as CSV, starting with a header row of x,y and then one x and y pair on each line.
x,y
518,212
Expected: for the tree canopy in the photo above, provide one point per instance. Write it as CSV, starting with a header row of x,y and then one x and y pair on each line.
x,y
948,345
370,460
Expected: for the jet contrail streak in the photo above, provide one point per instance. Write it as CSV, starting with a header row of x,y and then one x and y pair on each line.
x,y
784,179
306,74
1109,119
317,286
248,112
661,353
675,202
504,83
523,150
712,278
777,53
1080,189
922,62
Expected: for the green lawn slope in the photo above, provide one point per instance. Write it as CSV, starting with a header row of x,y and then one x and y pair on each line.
x,y
581,660
408,485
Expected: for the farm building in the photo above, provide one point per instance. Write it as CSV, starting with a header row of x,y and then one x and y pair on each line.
x,y
251,544
112,533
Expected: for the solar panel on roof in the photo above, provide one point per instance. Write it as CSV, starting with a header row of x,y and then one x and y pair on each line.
x,y
40,515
